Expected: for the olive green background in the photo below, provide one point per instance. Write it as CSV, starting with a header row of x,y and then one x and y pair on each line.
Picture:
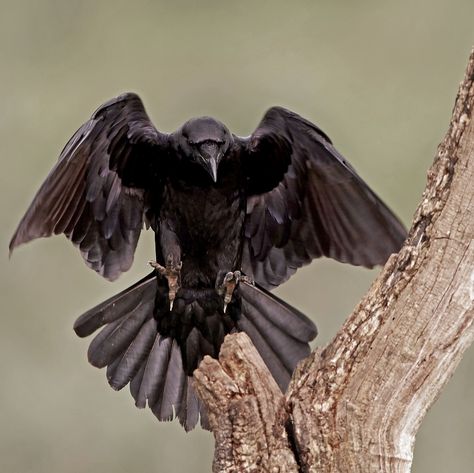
x,y
379,77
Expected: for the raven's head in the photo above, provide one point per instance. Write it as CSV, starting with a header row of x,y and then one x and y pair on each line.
x,y
206,141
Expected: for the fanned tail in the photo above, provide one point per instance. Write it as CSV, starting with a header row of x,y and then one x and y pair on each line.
x,y
156,351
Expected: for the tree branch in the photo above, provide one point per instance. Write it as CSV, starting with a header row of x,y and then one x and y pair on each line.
x,y
245,409
356,405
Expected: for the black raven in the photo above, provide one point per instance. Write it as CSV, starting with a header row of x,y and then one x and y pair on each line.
x,y
233,218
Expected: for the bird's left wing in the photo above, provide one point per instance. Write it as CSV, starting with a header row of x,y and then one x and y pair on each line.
x,y
95,194
306,201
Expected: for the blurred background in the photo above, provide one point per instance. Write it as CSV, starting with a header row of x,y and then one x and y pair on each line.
x,y
379,77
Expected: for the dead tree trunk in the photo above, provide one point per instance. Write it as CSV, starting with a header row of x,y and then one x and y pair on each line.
x,y
356,405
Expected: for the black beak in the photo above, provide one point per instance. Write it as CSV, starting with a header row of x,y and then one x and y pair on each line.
x,y
210,153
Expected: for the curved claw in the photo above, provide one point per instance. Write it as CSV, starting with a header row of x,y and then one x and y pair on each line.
x,y
172,272
231,279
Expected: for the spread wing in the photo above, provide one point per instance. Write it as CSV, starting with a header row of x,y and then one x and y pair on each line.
x,y
306,201
95,194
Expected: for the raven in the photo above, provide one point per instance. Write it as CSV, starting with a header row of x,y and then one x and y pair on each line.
x,y
233,218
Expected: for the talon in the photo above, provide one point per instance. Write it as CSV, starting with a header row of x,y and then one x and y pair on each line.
x,y
231,279
172,272
157,266
247,280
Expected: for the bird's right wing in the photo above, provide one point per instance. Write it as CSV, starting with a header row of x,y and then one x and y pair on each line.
x,y
95,194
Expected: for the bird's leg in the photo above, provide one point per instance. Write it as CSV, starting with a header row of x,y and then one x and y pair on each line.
x,y
227,288
172,272
167,241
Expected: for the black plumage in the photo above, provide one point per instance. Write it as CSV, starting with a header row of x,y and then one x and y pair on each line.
x,y
218,204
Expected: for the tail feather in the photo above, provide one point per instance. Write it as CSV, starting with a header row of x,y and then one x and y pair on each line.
x,y
136,347
116,306
108,348
151,384
136,383
289,319
285,347
279,331
173,387
279,371
96,343
188,413
193,345
126,366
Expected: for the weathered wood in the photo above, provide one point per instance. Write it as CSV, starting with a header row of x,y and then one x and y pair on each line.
x,y
246,410
356,405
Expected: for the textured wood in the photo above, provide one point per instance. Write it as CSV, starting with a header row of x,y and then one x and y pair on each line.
x,y
370,388
356,405
246,410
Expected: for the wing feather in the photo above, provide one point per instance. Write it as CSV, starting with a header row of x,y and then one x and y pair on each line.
x,y
96,192
306,201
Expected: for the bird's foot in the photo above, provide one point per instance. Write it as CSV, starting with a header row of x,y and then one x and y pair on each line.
x,y
227,288
172,272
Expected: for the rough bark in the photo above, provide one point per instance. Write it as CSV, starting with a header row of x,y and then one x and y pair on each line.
x,y
245,408
356,405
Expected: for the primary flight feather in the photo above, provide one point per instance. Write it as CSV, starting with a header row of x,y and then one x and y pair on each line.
x,y
233,217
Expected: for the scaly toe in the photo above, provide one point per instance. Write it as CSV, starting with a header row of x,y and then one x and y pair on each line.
x,y
172,273
231,279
